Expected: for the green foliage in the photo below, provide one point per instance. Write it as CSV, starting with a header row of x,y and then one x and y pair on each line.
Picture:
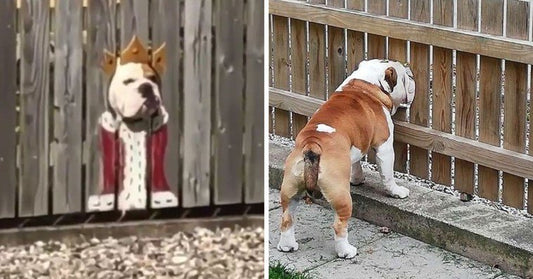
x,y
279,271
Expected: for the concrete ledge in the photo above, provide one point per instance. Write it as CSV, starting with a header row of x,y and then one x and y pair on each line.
x,y
470,229
76,233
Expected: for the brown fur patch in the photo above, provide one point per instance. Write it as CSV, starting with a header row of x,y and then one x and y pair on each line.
x,y
391,77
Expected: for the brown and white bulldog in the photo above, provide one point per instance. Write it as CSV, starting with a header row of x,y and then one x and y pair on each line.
x,y
328,149
133,132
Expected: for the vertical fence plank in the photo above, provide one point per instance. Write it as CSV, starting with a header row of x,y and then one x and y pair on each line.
x,y
298,68
34,141
336,52
317,58
254,102
197,103
8,88
229,86
515,99
355,41
490,95
270,72
398,51
376,44
133,21
419,113
442,92
376,49
165,11
530,181
281,70
100,35
68,107
465,96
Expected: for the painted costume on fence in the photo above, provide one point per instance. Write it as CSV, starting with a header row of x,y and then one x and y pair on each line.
x,y
133,133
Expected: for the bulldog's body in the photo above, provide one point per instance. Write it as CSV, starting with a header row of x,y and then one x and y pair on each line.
x,y
133,133
328,149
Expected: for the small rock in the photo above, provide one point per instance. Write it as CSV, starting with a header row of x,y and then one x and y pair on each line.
x,y
384,230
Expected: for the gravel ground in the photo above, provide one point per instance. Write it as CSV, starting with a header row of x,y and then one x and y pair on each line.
x,y
224,253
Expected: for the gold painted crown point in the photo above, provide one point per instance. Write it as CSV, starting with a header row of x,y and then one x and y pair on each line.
x,y
135,52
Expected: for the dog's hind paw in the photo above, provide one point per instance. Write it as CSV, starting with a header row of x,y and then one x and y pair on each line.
x,y
345,250
398,192
287,246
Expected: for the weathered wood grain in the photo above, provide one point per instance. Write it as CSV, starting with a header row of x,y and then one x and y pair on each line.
x,y
442,92
376,44
530,181
165,11
197,103
317,58
467,41
426,138
67,154
8,114
254,103
229,88
298,68
419,111
133,21
490,97
281,70
355,41
465,96
515,98
100,34
336,53
398,51
34,122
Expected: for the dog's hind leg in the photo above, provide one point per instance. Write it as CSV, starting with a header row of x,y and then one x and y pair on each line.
x,y
335,187
290,189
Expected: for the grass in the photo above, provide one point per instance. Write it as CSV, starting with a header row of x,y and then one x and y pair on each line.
x,y
279,271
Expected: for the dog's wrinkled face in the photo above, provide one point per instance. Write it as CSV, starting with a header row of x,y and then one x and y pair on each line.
x,y
134,90
394,78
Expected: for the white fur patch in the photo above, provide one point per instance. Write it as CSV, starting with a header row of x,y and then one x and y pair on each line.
x,y
355,154
287,241
298,168
343,248
385,161
325,128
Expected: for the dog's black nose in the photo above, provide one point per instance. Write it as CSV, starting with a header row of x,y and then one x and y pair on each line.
x,y
146,90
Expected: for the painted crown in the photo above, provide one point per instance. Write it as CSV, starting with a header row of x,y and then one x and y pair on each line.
x,y
135,52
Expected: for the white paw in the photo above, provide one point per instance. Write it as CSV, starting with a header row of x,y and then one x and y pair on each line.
x,y
287,241
164,199
398,192
287,246
344,249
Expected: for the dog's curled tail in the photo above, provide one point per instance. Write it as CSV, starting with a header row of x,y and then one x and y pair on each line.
x,y
311,152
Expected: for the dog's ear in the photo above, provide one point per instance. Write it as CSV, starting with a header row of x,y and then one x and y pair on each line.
x,y
109,63
159,59
390,78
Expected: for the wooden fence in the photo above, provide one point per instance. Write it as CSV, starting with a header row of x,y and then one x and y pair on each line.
x,y
51,102
468,125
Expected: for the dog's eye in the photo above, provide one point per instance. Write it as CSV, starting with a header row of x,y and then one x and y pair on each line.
x,y
128,81
152,78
